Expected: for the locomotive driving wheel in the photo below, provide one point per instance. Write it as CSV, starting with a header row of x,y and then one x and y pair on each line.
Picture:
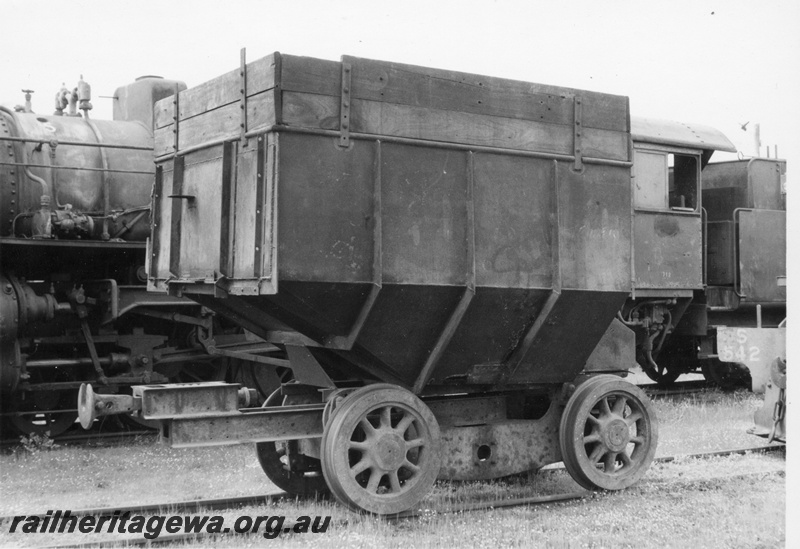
x,y
274,457
669,370
43,412
381,450
608,434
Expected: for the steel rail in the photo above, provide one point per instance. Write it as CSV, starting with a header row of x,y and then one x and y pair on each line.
x,y
195,537
676,389
230,502
87,437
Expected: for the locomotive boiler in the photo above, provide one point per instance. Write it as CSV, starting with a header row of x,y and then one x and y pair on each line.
x,y
75,215
457,269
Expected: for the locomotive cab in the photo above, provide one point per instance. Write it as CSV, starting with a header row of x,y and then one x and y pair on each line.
x,y
709,250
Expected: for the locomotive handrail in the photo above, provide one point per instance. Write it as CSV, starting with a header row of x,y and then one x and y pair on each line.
x,y
78,143
400,141
704,234
74,168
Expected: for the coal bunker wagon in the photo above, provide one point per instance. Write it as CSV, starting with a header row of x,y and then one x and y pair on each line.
x,y
447,263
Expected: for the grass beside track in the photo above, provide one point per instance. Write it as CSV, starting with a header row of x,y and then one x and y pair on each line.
x,y
675,505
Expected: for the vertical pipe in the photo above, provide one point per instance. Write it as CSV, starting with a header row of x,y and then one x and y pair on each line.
x,y
106,191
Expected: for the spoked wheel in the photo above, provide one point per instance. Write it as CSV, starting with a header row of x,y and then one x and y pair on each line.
x,y
40,412
608,434
381,450
306,479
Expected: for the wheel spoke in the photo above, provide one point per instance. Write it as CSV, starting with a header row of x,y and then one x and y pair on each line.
x,y
626,459
404,423
619,405
637,440
633,418
394,481
605,410
593,420
360,446
410,466
360,467
374,479
415,443
609,463
369,430
597,453
386,417
593,437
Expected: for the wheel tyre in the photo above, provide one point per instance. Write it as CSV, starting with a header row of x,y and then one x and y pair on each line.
x,y
269,455
608,434
381,450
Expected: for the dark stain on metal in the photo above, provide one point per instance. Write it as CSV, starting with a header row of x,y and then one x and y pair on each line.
x,y
666,226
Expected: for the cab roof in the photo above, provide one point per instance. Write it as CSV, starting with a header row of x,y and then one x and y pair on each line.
x,y
666,132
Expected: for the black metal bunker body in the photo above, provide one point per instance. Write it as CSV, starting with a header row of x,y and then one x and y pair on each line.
x,y
445,262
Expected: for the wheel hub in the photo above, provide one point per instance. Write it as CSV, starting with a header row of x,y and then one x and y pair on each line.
x,y
389,452
617,435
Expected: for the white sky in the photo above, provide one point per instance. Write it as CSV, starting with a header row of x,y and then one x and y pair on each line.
x,y
719,63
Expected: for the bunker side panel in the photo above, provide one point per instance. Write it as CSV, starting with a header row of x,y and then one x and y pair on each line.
x,y
211,111
221,123
326,210
421,103
766,180
755,183
200,217
719,258
328,214
595,228
395,100
424,214
438,89
762,255
668,250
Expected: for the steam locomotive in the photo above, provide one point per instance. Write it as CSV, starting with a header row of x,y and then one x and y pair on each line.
x,y
75,195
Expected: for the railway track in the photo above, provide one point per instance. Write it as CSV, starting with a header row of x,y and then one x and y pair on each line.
x,y
242,501
677,389
78,438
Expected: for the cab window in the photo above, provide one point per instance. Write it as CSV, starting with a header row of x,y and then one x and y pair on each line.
x,y
665,181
